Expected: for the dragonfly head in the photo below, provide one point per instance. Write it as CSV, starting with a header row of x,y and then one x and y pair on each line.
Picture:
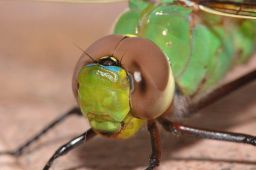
x,y
120,77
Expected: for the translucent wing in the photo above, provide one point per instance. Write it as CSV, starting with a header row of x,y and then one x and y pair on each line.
x,y
82,1
237,9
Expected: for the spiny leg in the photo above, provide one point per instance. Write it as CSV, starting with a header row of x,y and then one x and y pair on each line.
x,y
64,149
220,92
180,129
155,145
20,150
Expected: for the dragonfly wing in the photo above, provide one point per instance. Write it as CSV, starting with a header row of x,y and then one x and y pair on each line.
x,y
82,1
243,9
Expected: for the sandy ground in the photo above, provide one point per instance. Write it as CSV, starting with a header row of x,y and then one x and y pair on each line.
x,y
37,56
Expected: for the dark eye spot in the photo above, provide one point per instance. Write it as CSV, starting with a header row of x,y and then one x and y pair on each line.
x,y
142,86
77,85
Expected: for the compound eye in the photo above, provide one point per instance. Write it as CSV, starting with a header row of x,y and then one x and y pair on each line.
x,y
150,76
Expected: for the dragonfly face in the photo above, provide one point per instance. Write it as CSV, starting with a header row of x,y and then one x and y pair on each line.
x,y
103,95
122,81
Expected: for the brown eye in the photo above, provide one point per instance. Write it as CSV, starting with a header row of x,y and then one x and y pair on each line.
x,y
147,67
153,79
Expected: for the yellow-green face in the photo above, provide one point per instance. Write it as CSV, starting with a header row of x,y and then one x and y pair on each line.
x,y
103,95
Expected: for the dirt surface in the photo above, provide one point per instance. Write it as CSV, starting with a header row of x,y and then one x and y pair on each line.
x,y
37,56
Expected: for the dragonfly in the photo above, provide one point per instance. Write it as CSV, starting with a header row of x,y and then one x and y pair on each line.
x,y
164,58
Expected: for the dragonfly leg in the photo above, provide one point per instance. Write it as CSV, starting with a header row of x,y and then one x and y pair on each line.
x,y
180,129
221,92
73,143
155,145
20,150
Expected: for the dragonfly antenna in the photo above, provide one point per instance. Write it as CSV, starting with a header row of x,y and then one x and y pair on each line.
x,y
85,53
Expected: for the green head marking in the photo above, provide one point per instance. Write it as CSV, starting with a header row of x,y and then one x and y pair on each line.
x,y
103,95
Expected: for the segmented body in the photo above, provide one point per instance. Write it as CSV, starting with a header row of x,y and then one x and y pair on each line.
x,y
201,47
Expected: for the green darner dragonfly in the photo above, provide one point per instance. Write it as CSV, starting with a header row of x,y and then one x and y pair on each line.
x,y
138,79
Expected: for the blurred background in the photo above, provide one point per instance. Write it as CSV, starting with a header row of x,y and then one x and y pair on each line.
x,y
37,58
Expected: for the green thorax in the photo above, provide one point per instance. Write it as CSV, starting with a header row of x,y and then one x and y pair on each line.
x,y
200,47
103,95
